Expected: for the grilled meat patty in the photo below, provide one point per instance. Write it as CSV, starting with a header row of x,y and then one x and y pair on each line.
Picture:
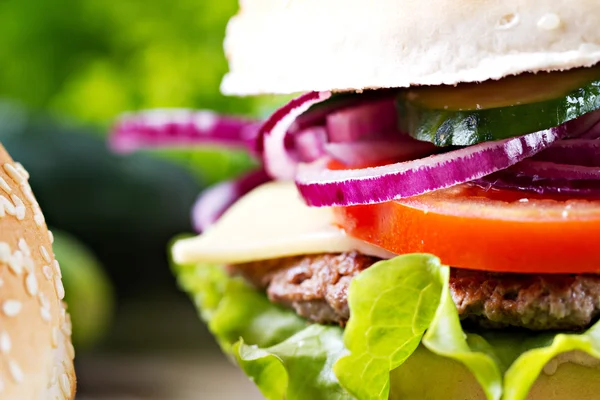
x,y
316,287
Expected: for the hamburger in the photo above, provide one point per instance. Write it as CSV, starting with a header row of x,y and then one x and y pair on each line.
x,y
425,221
35,328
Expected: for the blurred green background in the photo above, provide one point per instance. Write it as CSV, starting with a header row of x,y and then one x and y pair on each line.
x,y
69,68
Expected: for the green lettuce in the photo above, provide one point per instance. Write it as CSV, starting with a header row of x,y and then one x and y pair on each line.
x,y
279,351
445,337
392,304
396,305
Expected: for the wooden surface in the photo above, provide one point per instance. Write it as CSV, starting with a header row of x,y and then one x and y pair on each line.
x,y
164,377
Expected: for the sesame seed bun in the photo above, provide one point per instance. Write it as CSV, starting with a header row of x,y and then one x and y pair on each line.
x,y
36,354
277,46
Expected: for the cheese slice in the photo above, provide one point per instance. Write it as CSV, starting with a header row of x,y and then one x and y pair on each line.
x,y
272,221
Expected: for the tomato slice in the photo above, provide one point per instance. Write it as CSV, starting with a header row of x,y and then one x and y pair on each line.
x,y
468,227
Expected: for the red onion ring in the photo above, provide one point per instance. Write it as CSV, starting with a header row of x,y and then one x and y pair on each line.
x,y
584,152
181,128
310,143
215,200
544,170
278,162
571,188
373,152
320,186
367,120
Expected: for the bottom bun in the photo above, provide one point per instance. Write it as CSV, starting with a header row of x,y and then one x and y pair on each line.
x,y
413,380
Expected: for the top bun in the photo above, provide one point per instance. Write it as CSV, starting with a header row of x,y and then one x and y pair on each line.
x,y
288,46
36,354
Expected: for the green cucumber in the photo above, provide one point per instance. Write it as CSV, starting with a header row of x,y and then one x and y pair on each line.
x,y
473,113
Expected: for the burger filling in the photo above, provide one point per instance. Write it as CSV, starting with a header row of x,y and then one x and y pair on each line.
x,y
316,287
458,219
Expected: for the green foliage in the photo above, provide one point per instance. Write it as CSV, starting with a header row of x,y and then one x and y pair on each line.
x,y
92,59
89,292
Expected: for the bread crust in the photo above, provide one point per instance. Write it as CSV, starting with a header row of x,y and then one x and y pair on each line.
x,y
276,46
36,354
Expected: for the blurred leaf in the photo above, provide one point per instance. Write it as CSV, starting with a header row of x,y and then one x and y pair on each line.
x,y
93,59
211,165
89,292
124,208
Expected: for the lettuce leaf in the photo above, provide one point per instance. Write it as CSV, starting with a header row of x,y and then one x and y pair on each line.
x,y
392,304
284,356
299,368
445,337
395,305
234,310
527,367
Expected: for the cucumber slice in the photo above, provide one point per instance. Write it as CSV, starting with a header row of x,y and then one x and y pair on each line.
x,y
474,113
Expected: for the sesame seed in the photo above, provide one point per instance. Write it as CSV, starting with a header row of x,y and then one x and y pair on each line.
x,y
19,167
70,350
66,328
44,300
29,264
5,253
5,344
62,315
1,282
15,371
20,209
54,379
38,217
47,272
55,337
16,262
4,185
11,308
45,314
65,385
7,206
60,289
26,189
57,268
31,284
13,173
50,236
45,254
24,247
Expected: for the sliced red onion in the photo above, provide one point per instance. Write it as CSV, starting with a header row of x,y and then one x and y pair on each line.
x,y
372,119
310,143
318,115
323,187
373,152
278,161
571,188
593,133
545,170
214,201
584,152
182,128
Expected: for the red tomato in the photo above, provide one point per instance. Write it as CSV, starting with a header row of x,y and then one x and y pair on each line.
x,y
467,227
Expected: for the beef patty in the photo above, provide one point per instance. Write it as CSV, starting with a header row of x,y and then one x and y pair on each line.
x,y
316,287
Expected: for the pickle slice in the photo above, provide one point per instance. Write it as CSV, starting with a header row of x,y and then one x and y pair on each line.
x,y
473,113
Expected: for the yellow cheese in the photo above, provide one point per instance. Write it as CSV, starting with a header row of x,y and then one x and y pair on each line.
x,y
272,221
